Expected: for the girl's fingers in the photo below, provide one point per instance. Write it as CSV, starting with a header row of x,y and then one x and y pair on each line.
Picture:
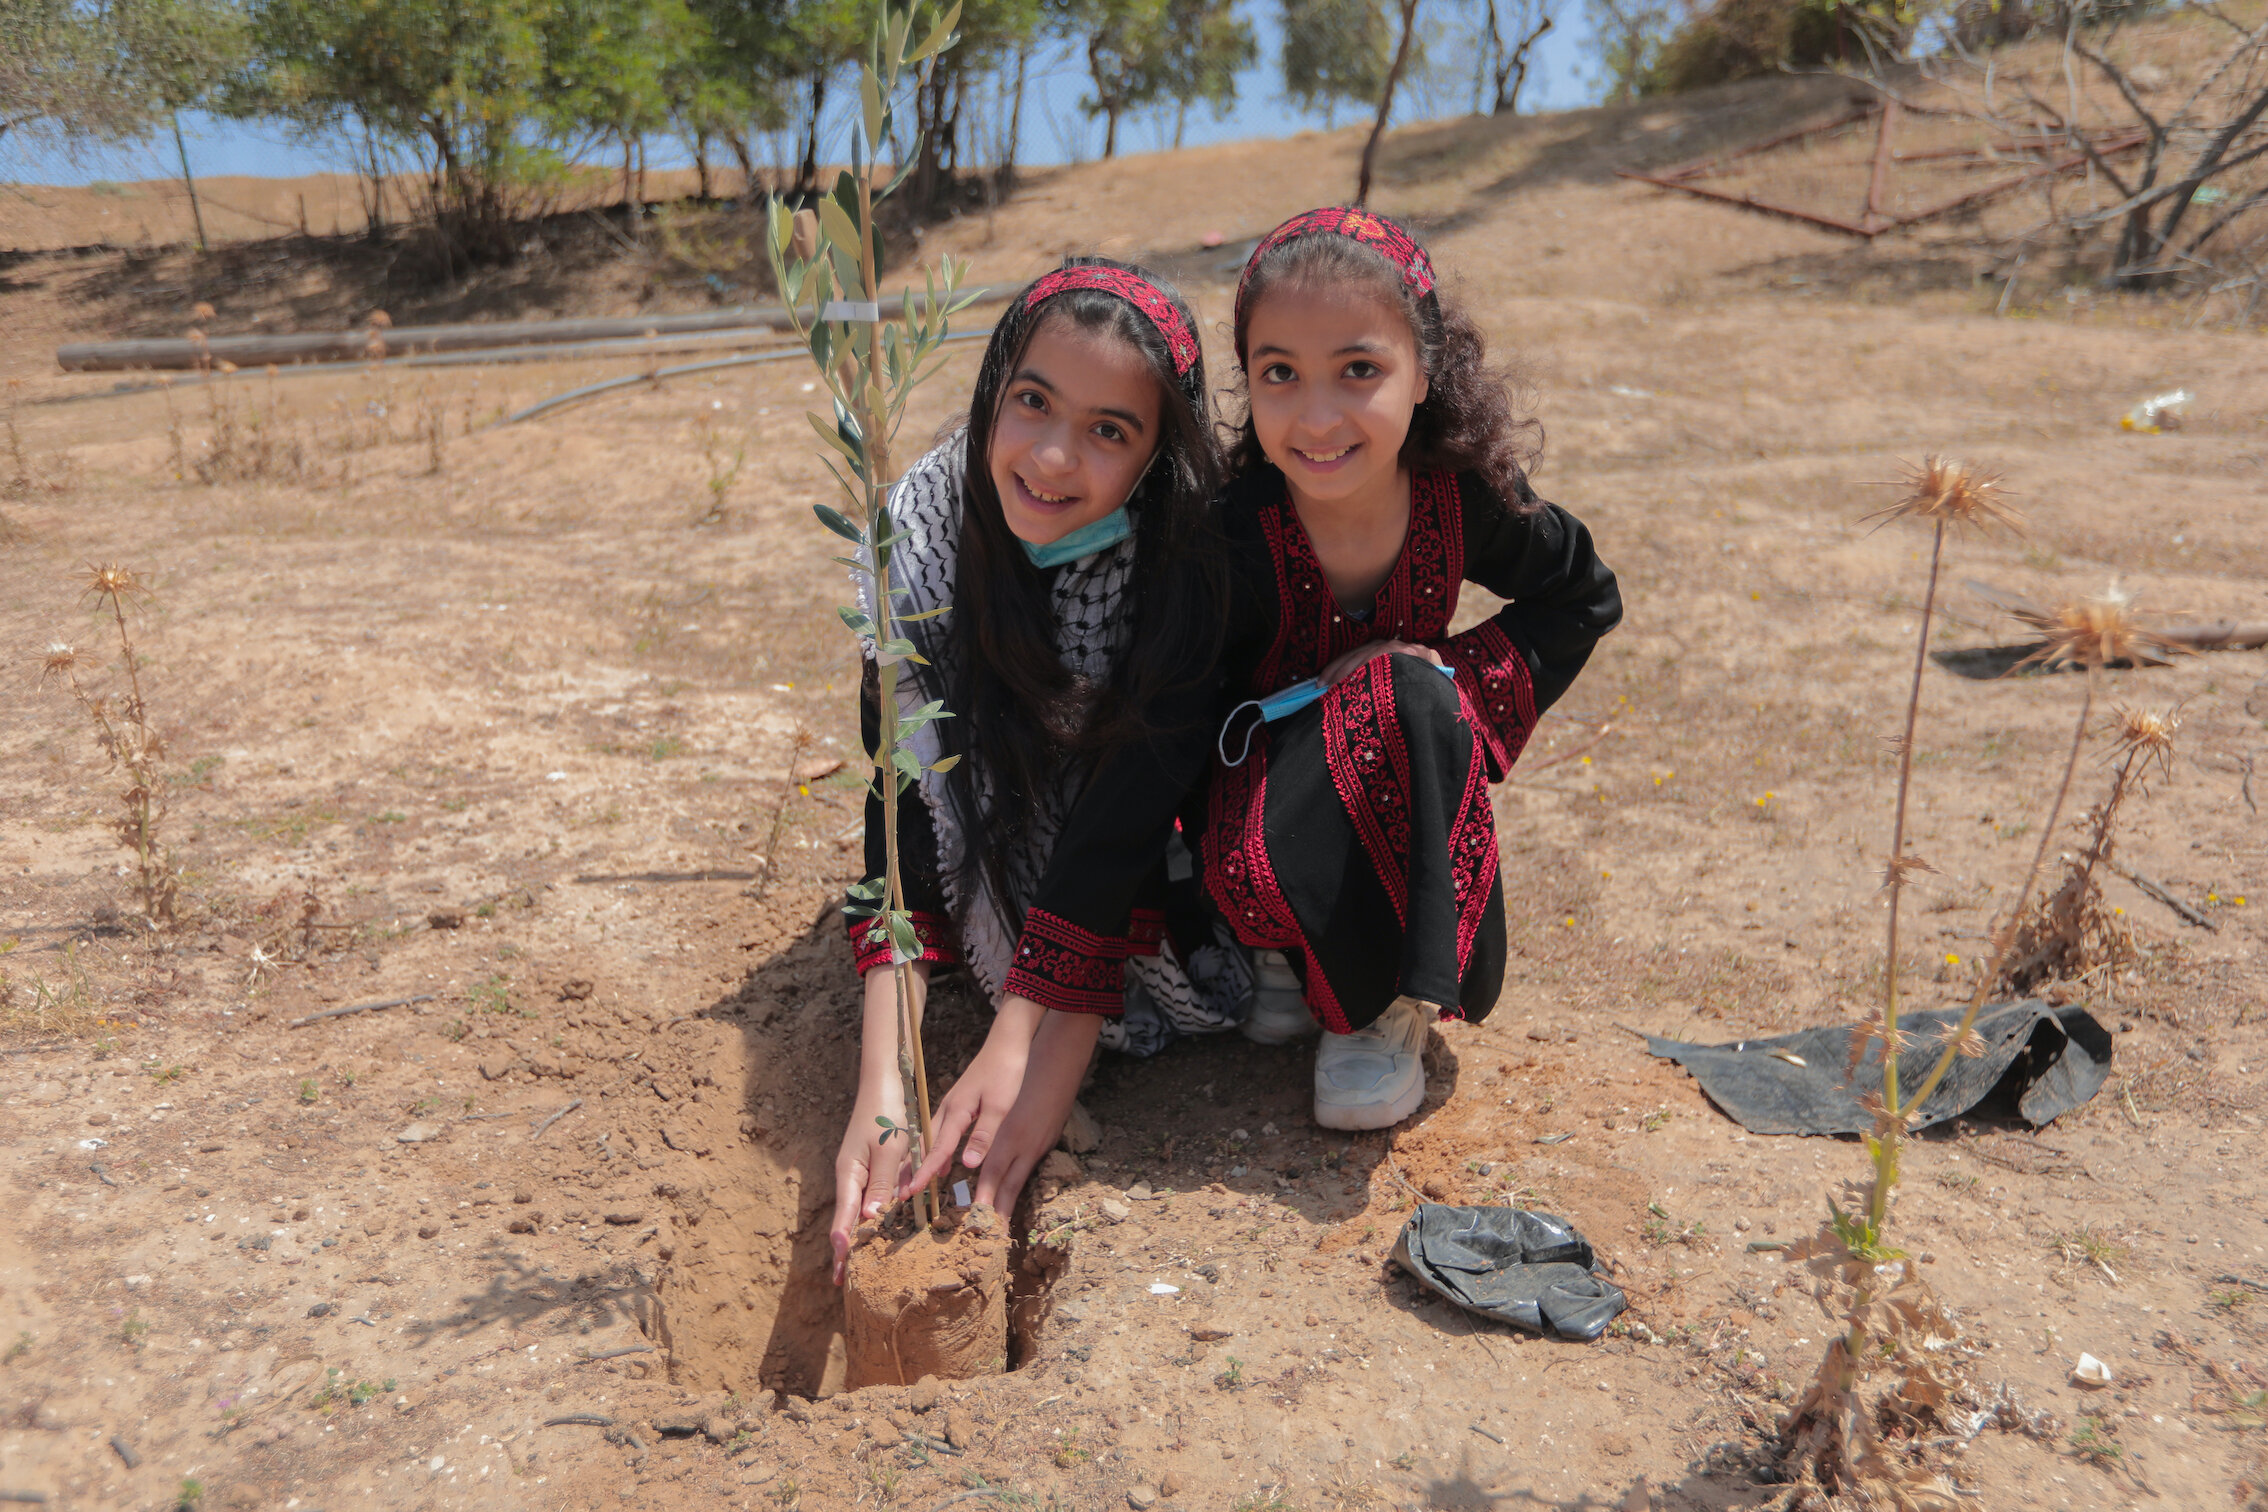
x,y
946,1129
850,1186
980,1138
880,1183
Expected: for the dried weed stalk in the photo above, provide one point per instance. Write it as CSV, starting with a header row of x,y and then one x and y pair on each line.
x,y
2074,932
725,457
124,732
22,476
1885,1382
792,783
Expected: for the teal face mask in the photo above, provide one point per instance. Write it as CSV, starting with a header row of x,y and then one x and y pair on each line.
x,y
1097,535
1281,704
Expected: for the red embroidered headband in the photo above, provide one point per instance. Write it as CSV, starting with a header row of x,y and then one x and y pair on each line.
x,y
1143,295
1375,232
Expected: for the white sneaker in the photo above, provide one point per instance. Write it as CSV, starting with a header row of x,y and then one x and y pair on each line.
x,y
1375,1077
1280,1014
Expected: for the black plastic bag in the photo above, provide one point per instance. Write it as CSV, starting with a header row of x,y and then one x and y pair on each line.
x,y
2042,1062
1527,1269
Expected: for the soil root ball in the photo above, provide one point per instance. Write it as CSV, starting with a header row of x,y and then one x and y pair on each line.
x,y
922,1302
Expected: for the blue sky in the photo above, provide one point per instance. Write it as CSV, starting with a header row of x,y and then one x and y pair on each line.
x,y
1055,130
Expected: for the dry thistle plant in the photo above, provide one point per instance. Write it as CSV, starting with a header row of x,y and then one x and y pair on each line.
x,y
126,738
2074,932
1835,1434
1887,1377
1943,494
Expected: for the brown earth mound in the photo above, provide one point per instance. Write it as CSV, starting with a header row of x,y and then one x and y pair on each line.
x,y
927,1302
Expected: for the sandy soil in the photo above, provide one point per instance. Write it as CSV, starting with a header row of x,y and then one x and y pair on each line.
x,y
542,751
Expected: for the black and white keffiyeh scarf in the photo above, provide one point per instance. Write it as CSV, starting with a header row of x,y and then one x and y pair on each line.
x,y
1093,628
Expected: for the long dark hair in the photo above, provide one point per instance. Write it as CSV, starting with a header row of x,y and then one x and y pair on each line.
x,y
1467,422
1019,712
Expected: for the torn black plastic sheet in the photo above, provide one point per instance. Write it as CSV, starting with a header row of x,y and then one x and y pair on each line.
x,y
2041,1061
1527,1269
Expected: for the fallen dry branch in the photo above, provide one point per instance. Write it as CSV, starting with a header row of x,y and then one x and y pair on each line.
x,y
331,1013
554,1118
2082,151
2158,891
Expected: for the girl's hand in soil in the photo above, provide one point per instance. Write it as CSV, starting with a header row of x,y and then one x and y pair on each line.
x,y
867,1167
983,1095
866,1171
1344,666
1059,1056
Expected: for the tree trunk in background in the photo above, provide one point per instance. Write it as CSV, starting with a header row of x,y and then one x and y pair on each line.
x,y
701,162
807,177
1516,72
739,145
196,211
1386,99
629,190
1015,121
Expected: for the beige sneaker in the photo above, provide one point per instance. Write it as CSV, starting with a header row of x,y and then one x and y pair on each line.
x,y
1375,1077
1280,1014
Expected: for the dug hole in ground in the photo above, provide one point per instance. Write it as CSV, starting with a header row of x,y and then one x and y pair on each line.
x,y
526,738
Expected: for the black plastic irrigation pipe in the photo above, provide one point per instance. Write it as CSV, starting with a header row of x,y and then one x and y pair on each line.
x,y
548,352
629,380
633,346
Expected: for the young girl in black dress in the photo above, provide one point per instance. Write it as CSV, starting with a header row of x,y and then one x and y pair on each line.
x,y
1379,469
1068,525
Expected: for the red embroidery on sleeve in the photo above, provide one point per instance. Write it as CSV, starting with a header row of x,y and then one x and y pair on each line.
x,y
871,948
1073,970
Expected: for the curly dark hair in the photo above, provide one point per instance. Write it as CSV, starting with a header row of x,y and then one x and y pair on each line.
x,y
1018,709
1467,421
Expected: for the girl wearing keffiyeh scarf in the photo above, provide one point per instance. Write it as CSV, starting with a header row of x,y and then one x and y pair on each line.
x,y
1067,529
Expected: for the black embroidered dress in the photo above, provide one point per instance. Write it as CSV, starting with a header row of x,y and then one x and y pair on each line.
x,y
1357,836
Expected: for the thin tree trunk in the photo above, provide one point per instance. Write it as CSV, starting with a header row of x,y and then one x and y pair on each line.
x,y
701,162
1508,101
1485,69
1110,133
1016,119
2205,164
629,204
807,177
739,145
196,210
1386,100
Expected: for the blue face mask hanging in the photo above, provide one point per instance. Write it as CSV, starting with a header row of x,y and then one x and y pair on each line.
x,y
1096,535
1286,700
